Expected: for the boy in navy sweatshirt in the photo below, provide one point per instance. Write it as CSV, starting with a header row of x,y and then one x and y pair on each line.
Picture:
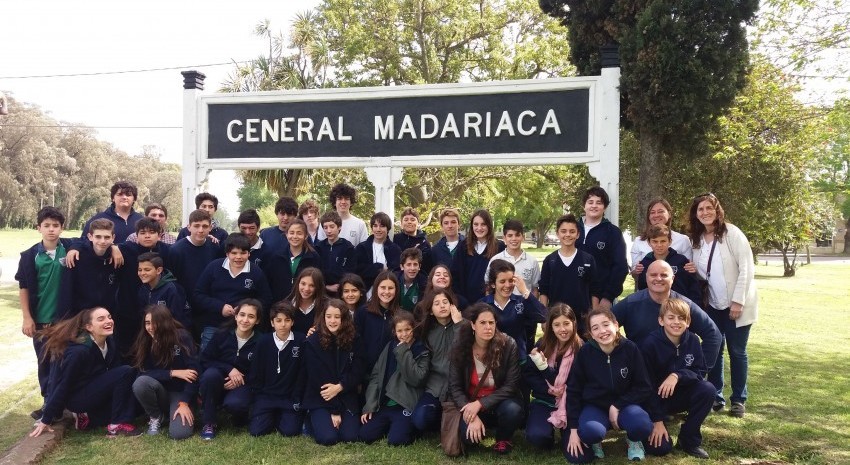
x,y
189,257
336,254
411,236
600,238
45,286
249,225
277,376
687,284
570,275
224,283
94,276
274,237
208,203
676,368
160,288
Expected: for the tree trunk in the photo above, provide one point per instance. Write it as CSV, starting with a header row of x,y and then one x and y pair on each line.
x,y
650,174
787,264
847,236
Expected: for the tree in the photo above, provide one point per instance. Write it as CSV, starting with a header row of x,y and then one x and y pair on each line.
x,y
682,65
832,172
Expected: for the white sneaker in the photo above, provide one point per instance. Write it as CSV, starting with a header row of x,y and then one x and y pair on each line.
x,y
154,425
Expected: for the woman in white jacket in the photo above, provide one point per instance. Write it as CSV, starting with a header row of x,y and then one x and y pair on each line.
x,y
722,256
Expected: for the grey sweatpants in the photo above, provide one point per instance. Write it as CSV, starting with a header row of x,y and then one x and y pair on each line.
x,y
158,402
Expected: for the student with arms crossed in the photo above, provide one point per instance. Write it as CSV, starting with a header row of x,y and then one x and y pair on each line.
x,y
677,370
277,377
600,238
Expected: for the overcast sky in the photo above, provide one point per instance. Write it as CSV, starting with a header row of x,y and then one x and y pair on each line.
x,y
96,36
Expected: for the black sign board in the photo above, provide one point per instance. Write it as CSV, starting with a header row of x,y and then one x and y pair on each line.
x,y
546,121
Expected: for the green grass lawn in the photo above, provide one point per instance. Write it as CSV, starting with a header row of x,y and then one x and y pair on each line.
x,y
798,412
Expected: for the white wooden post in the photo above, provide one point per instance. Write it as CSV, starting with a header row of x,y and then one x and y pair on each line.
x,y
384,178
194,176
607,132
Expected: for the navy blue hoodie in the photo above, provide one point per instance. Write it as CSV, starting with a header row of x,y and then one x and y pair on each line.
x,y
662,358
80,363
95,279
278,270
336,259
684,283
605,242
278,373
603,380
366,268
335,366
373,331
573,285
27,278
519,313
123,228
166,292
471,269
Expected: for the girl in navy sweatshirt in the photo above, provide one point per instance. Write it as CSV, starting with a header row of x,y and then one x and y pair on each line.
x,y
395,386
373,321
277,376
516,312
226,362
335,371
547,375
308,297
87,376
284,265
439,320
165,356
607,388
481,245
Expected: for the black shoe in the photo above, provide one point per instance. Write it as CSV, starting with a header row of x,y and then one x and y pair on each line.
x,y
695,451
37,414
718,405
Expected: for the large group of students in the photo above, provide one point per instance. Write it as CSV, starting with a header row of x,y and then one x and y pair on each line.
x,y
313,326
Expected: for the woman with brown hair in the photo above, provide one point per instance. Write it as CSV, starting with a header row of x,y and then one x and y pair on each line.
x,y
484,379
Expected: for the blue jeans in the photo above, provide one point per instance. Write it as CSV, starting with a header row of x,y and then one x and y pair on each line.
x,y
427,413
506,418
736,342
593,425
206,336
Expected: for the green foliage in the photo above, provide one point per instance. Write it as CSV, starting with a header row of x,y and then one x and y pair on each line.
x,y
254,195
42,159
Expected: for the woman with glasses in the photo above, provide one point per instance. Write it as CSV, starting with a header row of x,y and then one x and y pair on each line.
x,y
722,256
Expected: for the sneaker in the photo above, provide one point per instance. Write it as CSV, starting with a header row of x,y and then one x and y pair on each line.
x,y
695,451
154,425
37,414
718,405
635,452
81,420
122,429
503,447
737,409
597,450
208,432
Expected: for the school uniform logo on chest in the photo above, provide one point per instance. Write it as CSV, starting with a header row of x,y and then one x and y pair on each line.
x,y
160,302
249,283
624,372
344,260
250,354
519,308
689,359
600,245
580,271
176,349
675,269
295,351
111,278
526,274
